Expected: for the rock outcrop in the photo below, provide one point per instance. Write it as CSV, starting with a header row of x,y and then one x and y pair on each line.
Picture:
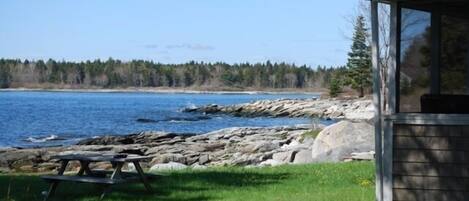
x,y
353,109
243,146
231,146
338,141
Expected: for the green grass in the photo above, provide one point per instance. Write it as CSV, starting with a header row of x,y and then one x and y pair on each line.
x,y
321,182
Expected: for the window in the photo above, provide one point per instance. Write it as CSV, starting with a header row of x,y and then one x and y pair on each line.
x,y
454,65
415,59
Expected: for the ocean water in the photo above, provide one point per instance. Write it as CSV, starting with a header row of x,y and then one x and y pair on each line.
x,y
32,118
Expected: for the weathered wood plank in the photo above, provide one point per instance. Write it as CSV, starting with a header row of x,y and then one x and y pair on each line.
x,y
434,142
100,158
429,195
431,156
431,169
430,130
125,174
86,179
431,183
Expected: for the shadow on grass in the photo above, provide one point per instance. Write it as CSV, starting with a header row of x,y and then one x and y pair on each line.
x,y
184,186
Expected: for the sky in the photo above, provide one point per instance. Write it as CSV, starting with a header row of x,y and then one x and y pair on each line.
x,y
309,32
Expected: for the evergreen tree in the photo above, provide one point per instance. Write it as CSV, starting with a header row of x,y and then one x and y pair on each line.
x,y
334,87
5,77
359,61
42,71
54,76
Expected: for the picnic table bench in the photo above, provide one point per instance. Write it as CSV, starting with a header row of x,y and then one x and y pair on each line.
x,y
101,177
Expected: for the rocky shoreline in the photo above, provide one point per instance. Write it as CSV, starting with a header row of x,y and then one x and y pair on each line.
x,y
231,146
351,138
352,109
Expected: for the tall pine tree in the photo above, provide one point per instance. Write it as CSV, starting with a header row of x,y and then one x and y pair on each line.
x,y
359,59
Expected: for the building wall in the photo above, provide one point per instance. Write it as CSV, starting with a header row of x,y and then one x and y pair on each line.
x,y
430,163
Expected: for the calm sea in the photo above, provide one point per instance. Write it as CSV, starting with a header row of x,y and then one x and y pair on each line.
x,y
55,118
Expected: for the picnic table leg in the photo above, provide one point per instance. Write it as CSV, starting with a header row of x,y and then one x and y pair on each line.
x,y
117,171
54,184
116,174
106,190
84,168
142,176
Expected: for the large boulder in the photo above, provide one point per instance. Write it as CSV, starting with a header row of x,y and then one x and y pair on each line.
x,y
303,157
338,141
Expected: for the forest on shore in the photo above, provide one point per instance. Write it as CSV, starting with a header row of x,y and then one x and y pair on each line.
x,y
112,73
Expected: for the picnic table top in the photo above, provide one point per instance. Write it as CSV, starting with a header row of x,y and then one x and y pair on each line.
x,y
102,157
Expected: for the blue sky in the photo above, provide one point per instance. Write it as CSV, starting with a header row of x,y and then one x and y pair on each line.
x,y
310,32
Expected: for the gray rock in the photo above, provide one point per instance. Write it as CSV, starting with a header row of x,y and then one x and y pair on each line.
x,y
213,146
265,146
166,158
357,109
140,138
198,167
191,158
107,140
338,141
204,159
303,157
167,167
4,170
15,156
47,167
246,159
271,162
244,146
363,156
296,145
284,157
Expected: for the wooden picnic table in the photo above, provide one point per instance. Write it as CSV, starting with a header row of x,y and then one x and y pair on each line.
x,y
101,177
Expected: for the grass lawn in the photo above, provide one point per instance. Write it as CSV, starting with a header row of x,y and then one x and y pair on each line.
x,y
321,182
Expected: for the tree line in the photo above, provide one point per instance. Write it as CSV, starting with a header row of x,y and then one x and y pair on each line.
x,y
114,73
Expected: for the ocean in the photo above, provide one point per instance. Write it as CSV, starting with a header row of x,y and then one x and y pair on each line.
x,y
41,118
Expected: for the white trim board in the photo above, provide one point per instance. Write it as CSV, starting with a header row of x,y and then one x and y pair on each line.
x,y
428,119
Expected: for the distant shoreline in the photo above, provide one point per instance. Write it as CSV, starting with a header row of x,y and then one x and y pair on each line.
x,y
161,91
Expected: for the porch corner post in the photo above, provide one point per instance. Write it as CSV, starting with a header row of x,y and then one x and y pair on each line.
x,y
376,99
392,99
394,32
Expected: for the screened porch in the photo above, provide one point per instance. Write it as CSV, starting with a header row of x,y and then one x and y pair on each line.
x,y
422,123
